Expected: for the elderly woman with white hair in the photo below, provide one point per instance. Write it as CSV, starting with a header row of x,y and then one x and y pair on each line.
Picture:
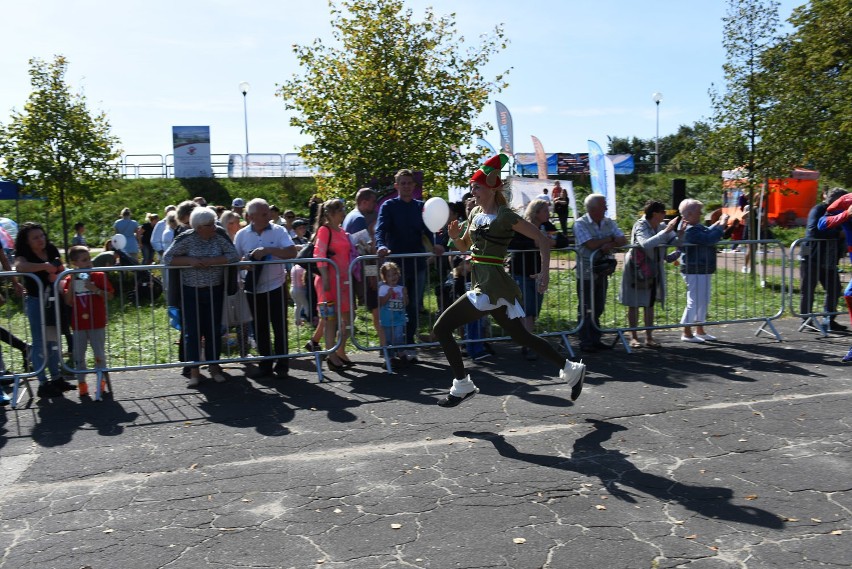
x,y
697,266
202,288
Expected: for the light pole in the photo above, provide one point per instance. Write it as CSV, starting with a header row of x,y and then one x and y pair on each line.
x,y
244,88
656,97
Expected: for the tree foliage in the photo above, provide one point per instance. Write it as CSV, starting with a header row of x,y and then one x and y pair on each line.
x,y
393,92
811,121
55,146
740,112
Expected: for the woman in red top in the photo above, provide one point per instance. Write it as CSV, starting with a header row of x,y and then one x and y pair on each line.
x,y
332,242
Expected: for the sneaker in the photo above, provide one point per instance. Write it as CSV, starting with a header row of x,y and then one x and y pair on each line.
x,y
692,339
454,401
312,346
47,389
4,399
83,389
574,373
848,356
451,400
706,337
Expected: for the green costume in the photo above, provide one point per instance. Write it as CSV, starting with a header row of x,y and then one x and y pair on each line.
x,y
491,285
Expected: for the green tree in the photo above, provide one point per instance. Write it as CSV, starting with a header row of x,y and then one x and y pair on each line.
x,y
811,121
740,112
641,150
56,147
392,93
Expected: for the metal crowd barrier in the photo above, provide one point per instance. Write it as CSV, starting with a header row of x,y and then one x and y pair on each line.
x,y
140,304
16,336
737,295
443,281
813,262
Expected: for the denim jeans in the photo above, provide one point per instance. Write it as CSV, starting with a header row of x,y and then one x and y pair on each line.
x,y
33,310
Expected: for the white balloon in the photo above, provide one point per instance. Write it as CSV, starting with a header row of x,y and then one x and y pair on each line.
x,y
436,212
119,241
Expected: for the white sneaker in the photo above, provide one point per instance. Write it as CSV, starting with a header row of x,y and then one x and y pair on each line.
x,y
692,339
193,381
706,337
574,374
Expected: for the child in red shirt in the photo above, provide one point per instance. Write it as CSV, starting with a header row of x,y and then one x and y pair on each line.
x,y
87,293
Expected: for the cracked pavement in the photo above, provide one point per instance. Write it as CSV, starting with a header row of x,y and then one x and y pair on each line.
x,y
731,455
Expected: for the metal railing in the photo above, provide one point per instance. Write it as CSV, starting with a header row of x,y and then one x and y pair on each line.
x,y
140,332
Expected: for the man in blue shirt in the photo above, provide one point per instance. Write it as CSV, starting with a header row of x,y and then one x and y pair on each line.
x,y
365,208
400,229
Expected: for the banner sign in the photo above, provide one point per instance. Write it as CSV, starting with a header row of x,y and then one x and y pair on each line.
x,y
192,151
610,187
525,190
540,158
572,163
504,125
526,164
623,163
568,187
598,173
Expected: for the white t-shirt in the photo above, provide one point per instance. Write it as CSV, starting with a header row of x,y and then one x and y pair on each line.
x,y
247,240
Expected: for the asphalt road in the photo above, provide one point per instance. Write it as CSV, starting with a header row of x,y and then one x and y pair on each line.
x,y
731,455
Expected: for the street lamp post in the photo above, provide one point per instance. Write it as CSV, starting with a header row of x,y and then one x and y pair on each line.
x,y
657,97
244,88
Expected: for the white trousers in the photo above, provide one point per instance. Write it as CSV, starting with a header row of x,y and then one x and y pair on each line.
x,y
697,299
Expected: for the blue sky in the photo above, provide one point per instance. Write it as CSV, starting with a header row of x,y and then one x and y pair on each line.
x,y
580,70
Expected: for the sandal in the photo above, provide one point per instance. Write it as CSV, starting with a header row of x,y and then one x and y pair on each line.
x,y
653,344
634,343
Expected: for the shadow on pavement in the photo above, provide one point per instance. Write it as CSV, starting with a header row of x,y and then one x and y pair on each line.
x,y
590,458
61,417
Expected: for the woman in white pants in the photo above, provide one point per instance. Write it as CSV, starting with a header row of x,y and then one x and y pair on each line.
x,y
697,266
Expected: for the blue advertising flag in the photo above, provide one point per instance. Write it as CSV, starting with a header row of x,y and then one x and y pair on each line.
x,y
486,145
504,125
597,168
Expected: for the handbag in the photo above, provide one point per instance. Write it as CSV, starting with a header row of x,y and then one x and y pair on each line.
x,y
638,269
307,251
604,267
236,310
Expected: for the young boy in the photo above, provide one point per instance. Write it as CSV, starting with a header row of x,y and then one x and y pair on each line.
x,y
393,298
87,293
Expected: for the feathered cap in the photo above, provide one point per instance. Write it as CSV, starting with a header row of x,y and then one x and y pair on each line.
x,y
489,173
